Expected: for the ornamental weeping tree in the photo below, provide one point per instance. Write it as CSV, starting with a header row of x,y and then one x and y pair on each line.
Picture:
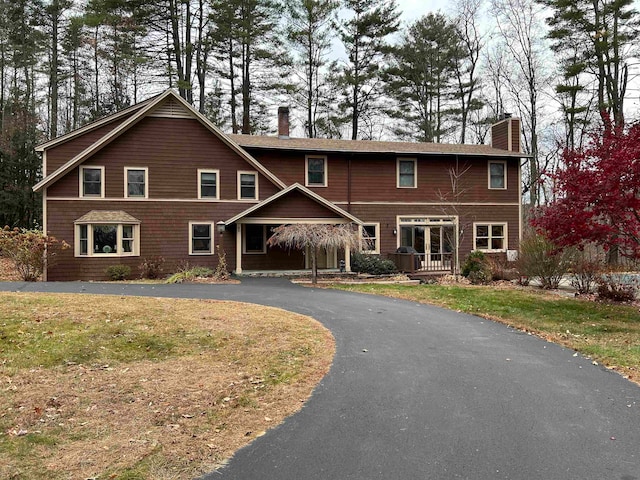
x,y
300,236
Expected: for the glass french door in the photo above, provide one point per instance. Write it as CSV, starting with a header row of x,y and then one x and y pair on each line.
x,y
433,242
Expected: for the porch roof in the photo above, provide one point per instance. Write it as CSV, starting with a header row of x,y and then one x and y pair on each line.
x,y
296,187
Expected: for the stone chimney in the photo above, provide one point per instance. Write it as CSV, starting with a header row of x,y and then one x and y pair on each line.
x,y
505,134
283,122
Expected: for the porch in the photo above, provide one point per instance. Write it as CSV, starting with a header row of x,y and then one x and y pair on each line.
x,y
413,262
427,245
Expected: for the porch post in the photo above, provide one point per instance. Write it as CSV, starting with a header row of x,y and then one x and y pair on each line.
x,y
238,248
347,260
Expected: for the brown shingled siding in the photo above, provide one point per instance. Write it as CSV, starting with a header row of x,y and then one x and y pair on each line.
x,y
373,178
387,215
164,230
295,205
173,150
61,154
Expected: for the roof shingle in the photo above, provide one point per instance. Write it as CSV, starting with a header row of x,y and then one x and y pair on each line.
x,y
368,146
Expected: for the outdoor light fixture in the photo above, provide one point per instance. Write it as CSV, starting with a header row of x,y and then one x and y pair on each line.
x,y
221,227
395,231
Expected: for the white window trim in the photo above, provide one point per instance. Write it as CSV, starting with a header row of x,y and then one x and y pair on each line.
x,y
247,172
505,233
212,227
376,250
207,170
126,182
415,172
119,235
81,183
504,163
306,171
244,242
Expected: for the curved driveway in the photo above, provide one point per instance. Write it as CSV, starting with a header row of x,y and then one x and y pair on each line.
x,y
419,392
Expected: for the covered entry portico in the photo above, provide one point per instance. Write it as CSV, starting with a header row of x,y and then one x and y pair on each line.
x,y
294,205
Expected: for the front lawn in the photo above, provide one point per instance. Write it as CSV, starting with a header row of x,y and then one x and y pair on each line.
x,y
113,387
608,333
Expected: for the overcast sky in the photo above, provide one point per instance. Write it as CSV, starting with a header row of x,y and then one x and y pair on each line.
x,y
413,9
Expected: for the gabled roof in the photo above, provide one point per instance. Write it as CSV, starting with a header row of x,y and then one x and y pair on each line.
x,y
92,126
146,109
305,191
368,146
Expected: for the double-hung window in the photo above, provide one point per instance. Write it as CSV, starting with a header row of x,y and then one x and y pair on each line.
x,y
316,171
247,185
200,238
497,174
490,236
406,173
136,185
208,184
371,240
92,182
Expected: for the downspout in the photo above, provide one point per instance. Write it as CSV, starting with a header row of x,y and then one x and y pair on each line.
x,y
457,223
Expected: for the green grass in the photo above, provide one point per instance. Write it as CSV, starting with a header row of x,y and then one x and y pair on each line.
x,y
609,333
36,332
134,388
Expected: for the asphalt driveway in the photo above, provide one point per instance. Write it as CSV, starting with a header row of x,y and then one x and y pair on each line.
x,y
419,392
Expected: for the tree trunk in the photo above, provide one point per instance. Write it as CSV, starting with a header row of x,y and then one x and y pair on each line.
x,y
53,73
314,265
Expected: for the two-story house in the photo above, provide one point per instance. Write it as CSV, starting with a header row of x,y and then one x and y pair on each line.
x,y
158,179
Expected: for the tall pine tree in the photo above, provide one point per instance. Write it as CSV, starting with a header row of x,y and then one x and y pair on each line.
x,y
365,39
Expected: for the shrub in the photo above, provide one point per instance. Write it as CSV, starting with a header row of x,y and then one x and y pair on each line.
x,y
617,287
152,267
480,277
474,262
188,273
371,264
221,273
476,268
586,269
118,272
30,250
500,268
542,259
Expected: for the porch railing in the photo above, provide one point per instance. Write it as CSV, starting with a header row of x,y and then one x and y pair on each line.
x,y
423,262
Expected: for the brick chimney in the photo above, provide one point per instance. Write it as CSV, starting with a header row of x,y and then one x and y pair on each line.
x,y
505,134
283,122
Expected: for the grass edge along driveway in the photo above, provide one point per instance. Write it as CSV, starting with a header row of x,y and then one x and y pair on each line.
x,y
110,387
607,333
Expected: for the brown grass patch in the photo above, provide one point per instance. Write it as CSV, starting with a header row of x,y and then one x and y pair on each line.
x,y
227,373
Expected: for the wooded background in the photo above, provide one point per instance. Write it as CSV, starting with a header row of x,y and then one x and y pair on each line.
x,y
348,69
